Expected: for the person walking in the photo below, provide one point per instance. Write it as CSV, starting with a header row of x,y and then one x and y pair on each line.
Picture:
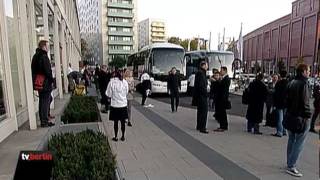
x,y
42,81
146,87
214,84
174,87
316,105
269,100
128,77
86,77
222,102
297,117
118,90
200,97
280,104
257,96
104,79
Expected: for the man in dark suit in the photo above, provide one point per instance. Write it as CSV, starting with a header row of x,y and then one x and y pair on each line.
x,y
200,97
174,87
104,79
222,101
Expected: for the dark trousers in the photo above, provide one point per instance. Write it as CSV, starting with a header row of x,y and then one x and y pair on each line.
x,y
268,112
123,127
202,112
44,106
174,101
221,117
144,98
314,117
251,125
104,99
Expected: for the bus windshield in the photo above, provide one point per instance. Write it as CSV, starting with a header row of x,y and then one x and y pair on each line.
x,y
165,59
216,60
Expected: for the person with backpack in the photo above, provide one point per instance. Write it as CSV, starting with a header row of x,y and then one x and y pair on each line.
x,y
43,81
297,117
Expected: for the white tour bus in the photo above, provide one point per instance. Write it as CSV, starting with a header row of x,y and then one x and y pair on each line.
x,y
157,60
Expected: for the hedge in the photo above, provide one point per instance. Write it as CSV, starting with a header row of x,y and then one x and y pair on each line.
x,y
82,156
81,109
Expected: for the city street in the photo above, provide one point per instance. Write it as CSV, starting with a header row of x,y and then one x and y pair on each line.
x,y
165,145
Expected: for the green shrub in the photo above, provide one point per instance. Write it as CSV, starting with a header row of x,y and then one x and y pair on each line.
x,y
82,156
81,109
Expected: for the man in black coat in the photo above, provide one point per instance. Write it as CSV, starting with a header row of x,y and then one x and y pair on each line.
x,y
40,66
104,79
257,96
174,87
222,100
200,97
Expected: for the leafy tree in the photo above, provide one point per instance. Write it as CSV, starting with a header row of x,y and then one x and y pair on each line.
x,y
175,40
118,62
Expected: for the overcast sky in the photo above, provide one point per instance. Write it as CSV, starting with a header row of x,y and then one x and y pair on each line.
x,y
190,18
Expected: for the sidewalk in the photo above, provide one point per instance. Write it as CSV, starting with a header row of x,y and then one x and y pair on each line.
x,y
165,145
25,140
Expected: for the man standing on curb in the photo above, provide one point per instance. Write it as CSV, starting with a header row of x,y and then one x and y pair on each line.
x,y
200,97
297,120
42,80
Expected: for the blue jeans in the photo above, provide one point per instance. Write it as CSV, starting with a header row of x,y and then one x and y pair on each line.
x,y
295,146
280,115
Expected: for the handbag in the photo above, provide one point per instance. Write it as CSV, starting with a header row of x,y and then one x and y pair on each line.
x,y
39,82
295,124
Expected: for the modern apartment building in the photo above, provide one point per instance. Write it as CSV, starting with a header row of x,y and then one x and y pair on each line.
x,y
151,31
90,29
119,28
22,24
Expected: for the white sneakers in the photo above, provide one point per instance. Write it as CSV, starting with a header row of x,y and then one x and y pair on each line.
x,y
294,172
149,106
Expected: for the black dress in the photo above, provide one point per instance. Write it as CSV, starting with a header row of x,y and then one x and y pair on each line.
x,y
118,113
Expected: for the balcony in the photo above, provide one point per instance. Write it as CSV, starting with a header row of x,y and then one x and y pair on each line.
x,y
157,30
157,24
118,14
157,35
120,5
120,33
120,24
129,43
115,51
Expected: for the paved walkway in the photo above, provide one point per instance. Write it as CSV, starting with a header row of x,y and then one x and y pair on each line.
x,y
165,145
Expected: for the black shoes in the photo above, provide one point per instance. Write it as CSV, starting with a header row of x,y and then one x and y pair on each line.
x,y
129,124
115,139
122,138
204,131
48,124
219,130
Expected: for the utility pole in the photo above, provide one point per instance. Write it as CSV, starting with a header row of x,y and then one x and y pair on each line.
x,y
223,39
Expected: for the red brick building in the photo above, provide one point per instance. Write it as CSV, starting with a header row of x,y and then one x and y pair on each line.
x,y
286,41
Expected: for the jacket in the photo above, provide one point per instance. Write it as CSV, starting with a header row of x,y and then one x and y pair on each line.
x,y
118,90
279,93
41,65
298,98
223,93
200,85
174,83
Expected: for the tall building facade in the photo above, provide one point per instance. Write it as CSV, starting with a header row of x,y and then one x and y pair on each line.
x,y
90,29
285,42
151,31
119,28
23,23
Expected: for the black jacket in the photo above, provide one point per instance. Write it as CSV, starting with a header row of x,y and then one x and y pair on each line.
x,y
41,65
298,98
279,94
223,93
174,83
213,89
104,79
257,96
200,94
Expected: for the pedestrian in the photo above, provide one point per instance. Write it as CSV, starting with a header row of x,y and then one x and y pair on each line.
x,y
269,100
174,87
316,105
96,76
86,77
42,81
297,117
200,97
222,102
257,93
104,79
280,103
129,78
214,83
118,90
146,87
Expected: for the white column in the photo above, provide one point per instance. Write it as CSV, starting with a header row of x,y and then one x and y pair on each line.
x,y
57,52
45,20
64,56
27,65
